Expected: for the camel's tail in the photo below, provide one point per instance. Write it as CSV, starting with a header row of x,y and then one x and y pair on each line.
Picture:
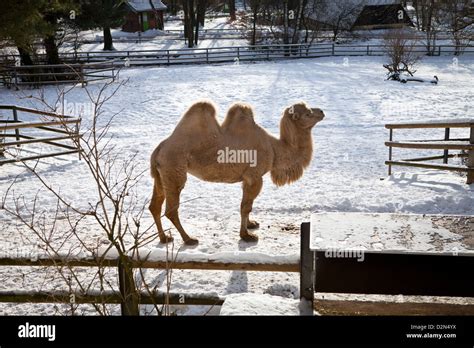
x,y
154,164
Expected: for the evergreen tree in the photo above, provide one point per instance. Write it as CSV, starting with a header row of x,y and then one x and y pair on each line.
x,y
104,14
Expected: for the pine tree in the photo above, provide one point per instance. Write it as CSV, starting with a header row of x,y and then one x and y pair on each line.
x,y
104,14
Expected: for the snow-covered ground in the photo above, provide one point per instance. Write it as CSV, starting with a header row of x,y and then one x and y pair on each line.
x,y
347,172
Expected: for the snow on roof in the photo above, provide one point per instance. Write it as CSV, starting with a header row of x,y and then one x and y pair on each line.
x,y
146,5
352,9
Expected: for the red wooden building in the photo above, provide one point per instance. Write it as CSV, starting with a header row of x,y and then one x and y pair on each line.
x,y
143,15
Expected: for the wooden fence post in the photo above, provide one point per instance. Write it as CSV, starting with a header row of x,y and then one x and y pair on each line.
x,y
306,264
470,160
130,301
390,153
333,49
15,118
446,152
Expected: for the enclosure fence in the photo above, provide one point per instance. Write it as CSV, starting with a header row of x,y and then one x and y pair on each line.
x,y
238,54
38,132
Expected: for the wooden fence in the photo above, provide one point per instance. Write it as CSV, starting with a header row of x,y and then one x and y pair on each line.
x,y
123,294
44,74
239,54
446,144
65,128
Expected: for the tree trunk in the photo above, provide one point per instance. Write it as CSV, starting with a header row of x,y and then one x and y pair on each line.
x,y
189,20
52,54
233,17
285,22
25,57
254,27
108,41
299,15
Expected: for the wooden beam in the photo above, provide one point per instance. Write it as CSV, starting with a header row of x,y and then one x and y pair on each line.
x,y
109,296
431,158
434,146
39,140
7,126
389,273
350,304
306,264
29,158
429,166
33,111
465,123
205,265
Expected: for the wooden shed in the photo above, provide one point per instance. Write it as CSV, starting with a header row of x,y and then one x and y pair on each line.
x,y
144,15
382,17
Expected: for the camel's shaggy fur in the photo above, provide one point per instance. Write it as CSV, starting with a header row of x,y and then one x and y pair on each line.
x,y
194,145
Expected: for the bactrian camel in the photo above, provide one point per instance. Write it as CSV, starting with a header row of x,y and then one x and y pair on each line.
x,y
198,139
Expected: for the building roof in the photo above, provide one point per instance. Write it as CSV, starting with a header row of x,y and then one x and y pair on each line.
x,y
382,15
353,10
146,5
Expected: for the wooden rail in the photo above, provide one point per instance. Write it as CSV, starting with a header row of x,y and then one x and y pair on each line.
x,y
44,74
446,144
121,296
58,124
217,55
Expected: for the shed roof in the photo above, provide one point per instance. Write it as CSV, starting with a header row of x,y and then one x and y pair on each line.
x,y
382,14
146,5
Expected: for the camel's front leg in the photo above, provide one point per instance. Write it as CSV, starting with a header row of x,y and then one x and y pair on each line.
x,y
251,189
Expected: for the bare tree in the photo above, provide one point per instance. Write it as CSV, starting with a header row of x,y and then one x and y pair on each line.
x,y
255,6
340,15
456,16
402,54
116,211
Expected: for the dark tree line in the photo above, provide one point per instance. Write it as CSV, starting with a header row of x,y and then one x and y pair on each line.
x,y
28,23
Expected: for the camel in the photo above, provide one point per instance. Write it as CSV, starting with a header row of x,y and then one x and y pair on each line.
x,y
202,147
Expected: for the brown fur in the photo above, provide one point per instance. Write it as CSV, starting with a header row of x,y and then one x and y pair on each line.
x,y
194,145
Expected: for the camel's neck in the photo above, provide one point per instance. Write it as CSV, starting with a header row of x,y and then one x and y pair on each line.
x,y
293,153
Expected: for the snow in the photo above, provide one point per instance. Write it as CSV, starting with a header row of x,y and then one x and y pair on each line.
x,y
347,173
255,304
387,233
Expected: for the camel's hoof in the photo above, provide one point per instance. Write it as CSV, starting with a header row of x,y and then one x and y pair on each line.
x,y
191,241
252,224
249,237
166,239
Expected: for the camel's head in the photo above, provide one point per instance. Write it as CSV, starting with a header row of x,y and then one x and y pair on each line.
x,y
303,116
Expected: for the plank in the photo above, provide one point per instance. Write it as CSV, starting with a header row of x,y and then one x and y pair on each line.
x,y
7,126
460,123
429,166
204,265
448,145
108,296
367,304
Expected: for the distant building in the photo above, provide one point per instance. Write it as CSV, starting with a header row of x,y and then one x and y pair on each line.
x,y
389,16
361,15
143,15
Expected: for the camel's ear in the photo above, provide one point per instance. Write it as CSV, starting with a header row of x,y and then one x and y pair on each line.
x,y
293,113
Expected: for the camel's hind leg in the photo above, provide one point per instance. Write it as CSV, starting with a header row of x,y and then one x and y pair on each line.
x,y
251,189
156,203
172,191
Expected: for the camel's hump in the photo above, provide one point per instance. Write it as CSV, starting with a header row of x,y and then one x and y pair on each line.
x,y
202,108
239,116
200,117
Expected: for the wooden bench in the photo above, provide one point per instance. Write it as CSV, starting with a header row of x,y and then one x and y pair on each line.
x,y
446,144
388,264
